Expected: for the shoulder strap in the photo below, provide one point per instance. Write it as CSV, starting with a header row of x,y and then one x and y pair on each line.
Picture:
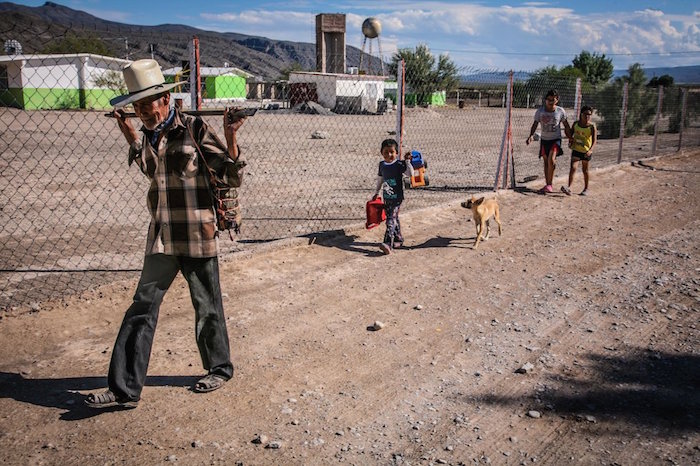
x,y
197,125
196,128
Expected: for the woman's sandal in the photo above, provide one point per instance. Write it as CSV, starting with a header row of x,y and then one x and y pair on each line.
x,y
108,399
209,383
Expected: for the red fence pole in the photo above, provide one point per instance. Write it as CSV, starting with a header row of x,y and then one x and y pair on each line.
x,y
506,141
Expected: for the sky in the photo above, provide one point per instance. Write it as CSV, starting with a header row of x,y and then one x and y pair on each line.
x,y
476,35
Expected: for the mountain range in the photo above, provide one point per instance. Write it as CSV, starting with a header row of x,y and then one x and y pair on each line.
x,y
680,74
35,28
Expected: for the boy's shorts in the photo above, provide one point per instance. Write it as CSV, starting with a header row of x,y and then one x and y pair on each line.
x,y
580,156
546,146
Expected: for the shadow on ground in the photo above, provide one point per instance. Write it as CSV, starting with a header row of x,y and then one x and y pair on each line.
x,y
648,166
657,391
341,240
64,393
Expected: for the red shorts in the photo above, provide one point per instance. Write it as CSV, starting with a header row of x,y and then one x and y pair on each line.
x,y
546,147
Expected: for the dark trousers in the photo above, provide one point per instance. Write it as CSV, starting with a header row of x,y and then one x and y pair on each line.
x,y
393,226
132,350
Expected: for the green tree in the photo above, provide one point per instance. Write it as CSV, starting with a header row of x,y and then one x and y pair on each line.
x,y
73,43
423,75
641,104
596,68
665,80
673,106
542,81
673,102
284,72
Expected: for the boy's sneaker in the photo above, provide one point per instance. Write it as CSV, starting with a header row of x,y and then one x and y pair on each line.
x,y
566,190
584,193
386,249
549,188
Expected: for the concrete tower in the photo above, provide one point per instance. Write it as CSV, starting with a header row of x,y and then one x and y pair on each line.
x,y
330,43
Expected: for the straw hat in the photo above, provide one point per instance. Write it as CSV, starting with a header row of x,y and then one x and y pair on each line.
x,y
143,79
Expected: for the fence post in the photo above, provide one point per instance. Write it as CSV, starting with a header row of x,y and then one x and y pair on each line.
x,y
659,103
195,79
623,118
577,99
684,101
506,141
400,85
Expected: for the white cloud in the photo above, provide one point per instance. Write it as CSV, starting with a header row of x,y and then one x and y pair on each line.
x,y
280,25
528,29
256,18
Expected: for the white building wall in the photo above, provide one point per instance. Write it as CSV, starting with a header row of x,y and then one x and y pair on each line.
x,y
60,72
94,70
54,74
331,86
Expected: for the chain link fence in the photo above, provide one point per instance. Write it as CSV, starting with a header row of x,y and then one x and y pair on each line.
x,y
74,214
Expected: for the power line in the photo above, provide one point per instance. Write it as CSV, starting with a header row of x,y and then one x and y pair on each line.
x,y
628,54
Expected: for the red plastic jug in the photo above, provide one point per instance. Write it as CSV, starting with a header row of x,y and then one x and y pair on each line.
x,y
375,213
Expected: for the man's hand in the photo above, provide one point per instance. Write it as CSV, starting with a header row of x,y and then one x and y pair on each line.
x,y
231,126
527,141
231,123
125,126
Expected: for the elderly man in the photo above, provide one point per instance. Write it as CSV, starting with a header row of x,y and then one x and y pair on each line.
x,y
182,235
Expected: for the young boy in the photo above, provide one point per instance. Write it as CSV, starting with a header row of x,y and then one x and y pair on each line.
x,y
551,116
390,183
584,138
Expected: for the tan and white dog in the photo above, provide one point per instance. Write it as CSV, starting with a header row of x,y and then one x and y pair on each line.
x,y
483,210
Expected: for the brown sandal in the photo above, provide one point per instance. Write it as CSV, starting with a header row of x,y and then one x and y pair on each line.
x,y
108,399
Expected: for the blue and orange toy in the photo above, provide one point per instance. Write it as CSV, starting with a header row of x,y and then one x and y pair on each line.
x,y
419,177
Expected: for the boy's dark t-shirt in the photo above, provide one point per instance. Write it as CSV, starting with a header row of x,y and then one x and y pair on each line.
x,y
393,179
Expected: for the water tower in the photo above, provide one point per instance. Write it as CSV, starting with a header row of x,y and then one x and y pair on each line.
x,y
371,29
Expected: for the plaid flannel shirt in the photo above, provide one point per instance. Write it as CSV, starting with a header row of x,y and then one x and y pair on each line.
x,y
183,219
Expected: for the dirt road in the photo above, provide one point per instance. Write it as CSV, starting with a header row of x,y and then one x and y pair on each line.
x,y
596,298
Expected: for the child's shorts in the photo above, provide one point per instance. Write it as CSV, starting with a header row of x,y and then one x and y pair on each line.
x,y
576,155
546,147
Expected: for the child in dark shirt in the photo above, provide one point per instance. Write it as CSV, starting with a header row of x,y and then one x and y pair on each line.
x,y
390,185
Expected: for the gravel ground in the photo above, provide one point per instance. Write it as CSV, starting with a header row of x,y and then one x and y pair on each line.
x,y
571,339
